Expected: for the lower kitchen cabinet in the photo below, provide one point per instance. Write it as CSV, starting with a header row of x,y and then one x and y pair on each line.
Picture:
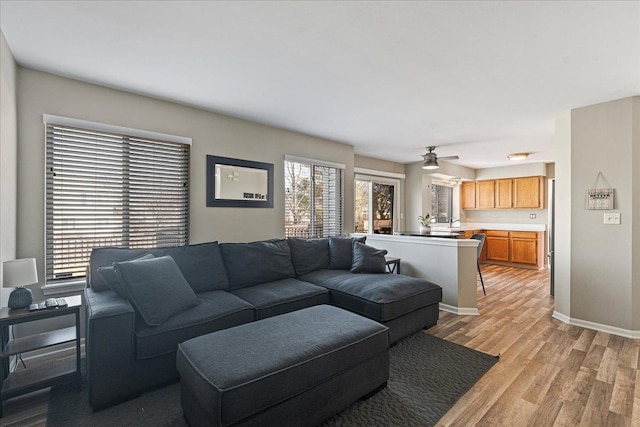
x,y
517,248
497,245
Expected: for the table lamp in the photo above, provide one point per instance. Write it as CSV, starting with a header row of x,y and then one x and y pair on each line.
x,y
17,274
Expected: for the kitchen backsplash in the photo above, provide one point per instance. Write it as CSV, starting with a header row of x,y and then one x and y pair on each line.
x,y
511,216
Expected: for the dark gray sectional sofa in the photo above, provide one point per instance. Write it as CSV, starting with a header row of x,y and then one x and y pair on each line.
x,y
234,283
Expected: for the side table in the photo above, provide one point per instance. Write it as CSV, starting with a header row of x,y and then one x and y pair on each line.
x,y
17,383
392,264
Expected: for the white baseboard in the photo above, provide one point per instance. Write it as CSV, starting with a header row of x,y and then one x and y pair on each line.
x,y
461,311
627,333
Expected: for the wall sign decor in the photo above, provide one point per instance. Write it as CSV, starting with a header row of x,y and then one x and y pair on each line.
x,y
600,197
239,183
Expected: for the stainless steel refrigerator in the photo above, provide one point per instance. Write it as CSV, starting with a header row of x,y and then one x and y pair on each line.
x,y
552,229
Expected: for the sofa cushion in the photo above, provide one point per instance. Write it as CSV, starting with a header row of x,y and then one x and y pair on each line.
x,y
201,264
218,310
381,297
341,251
110,277
309,254
367,259
282,296
249,264
156,288
242,371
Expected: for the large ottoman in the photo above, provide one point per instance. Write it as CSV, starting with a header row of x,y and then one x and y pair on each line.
x,y
295,369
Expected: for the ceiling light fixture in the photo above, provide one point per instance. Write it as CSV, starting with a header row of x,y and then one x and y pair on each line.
x,y
518,156
430,163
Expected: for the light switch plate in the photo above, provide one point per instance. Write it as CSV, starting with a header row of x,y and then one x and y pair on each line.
x,y
612,218
532,216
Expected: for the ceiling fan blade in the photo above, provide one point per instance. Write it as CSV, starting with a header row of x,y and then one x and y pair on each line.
x,y
448,158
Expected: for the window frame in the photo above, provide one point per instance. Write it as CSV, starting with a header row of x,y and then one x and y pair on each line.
x,y
128,136
451,204
312,163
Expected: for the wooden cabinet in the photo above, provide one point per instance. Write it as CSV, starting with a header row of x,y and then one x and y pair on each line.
x,y
485,194
503,193
524,247
468,195
528,192
519,193
497,245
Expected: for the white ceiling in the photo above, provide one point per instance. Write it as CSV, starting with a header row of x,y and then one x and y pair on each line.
x,y
476,79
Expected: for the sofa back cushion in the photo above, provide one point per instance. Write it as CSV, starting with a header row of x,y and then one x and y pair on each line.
x,y
341,251
367,259
309,254
201,265
249,264
156,288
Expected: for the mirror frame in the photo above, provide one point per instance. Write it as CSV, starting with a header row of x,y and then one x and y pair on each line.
x,y
212,161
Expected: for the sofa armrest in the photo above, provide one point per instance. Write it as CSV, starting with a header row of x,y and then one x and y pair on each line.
x,y
109,348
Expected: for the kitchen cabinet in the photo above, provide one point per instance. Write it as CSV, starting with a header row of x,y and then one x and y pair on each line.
x,y
523,247
497,245
510,193
468,195
528,192
485,194
503,193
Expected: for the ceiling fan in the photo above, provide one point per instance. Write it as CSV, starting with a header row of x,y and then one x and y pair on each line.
x,y
431,159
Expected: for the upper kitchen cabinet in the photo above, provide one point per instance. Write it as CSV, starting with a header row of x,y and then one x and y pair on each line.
x,y
468,195
528,192
485,194
510,193
504,192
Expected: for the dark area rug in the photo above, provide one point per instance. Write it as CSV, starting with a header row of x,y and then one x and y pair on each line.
x,y
428,375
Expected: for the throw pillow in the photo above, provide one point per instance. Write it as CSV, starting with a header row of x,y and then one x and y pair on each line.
x,y
367,259
110,276
309,254
156,288
341,251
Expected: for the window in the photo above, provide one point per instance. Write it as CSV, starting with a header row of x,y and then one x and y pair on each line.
x,y
441,202
314,193
375,204
105,188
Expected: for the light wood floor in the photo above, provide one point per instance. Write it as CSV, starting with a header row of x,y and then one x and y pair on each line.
x,y
549,373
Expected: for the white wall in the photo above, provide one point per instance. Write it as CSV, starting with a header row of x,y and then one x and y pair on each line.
x,y
212,133
8,156
596,266
562,269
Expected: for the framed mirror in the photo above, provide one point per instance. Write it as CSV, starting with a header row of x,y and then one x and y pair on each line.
x,y
239,183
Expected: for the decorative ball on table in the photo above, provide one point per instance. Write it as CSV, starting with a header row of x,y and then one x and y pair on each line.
x,y
17,274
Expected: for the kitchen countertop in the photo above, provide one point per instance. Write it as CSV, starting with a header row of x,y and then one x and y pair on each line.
x,y
448,234
466,226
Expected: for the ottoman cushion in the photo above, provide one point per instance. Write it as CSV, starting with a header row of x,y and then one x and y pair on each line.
x,y
238,372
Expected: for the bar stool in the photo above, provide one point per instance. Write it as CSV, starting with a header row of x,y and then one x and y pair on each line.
x,y
480,237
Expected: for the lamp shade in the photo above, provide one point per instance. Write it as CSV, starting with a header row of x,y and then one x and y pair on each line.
x,y
19,272
430,163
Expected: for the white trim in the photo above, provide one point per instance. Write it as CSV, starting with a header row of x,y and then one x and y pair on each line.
x,y
66,288
289,158
102,127
627,333
373,172
461,311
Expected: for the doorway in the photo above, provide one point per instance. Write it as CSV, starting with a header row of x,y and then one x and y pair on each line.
x,y
375,205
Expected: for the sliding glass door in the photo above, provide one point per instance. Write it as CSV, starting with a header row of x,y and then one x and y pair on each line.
x,y
375,205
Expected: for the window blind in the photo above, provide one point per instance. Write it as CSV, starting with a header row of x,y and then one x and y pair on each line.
x,y
107,189
314,200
